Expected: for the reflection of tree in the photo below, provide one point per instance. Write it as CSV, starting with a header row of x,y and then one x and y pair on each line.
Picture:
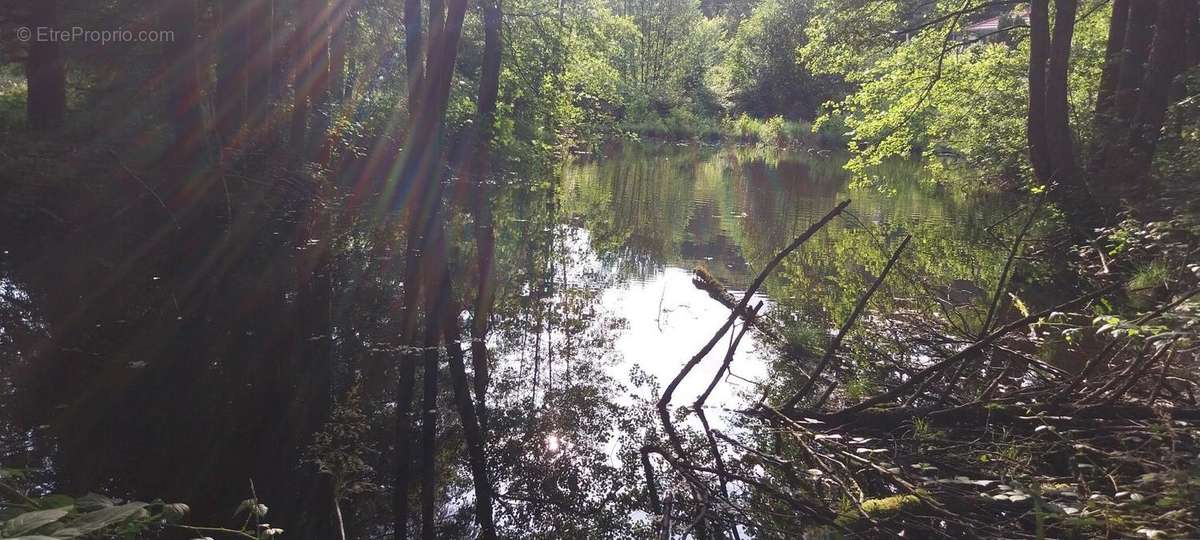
x,y
636,209
564,436
747,203
731,209
181,368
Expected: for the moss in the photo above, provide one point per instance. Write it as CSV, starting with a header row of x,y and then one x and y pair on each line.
x,y
889,505
879,508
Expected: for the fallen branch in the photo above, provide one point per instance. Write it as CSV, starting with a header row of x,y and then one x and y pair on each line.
x,y
972,349
837,340
709,284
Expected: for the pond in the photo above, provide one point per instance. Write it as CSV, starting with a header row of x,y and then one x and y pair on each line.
x,y
643,217
185,369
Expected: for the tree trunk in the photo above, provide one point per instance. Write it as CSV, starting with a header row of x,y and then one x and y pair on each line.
x,y
1112,153
1167,60
429,414
232,69
413,257
403,444
1138,36
1109,76
420,170
261,63
320,95
489,78
413,51
304,72
480,169
1039,54
336,87
337,50
473,431
1061,149
182,68
45,75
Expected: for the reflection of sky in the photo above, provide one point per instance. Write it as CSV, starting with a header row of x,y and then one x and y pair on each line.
x,y
644,218
669,320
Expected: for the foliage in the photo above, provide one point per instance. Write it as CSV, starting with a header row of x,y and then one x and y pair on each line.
x,y
958,102
58,516
761,74
339,449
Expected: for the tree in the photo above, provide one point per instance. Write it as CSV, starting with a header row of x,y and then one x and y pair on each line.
x,y
1051,149
766,77
1168,58
232,92
890,115
426,264
479,175
309,69
182,65
46,88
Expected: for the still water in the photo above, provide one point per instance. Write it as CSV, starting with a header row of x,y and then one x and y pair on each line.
x,y
186,365
640,219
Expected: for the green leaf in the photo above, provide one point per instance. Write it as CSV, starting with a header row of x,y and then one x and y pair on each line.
x,y
54,501
246,505
30,521
174,513
93,501
100,519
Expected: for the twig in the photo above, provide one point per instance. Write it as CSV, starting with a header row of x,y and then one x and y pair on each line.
x,y
665,400
219,530
924,374
1002,283
728,359
147,187
837,340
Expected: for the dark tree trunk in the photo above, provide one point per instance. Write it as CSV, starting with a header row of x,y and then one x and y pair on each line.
x,y
1058,127
1039,55
1106,95
337,51
320,94
413,50
472,431
335,81
1051,148
429,414
1167,60
403,449
420,171
1113,130
480,169
304,71
46,90
1112,58
489,77
1138,36
413,260
182,68
260,63
233,50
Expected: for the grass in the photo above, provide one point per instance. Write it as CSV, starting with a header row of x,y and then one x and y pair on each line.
x,y
683,124
1150,275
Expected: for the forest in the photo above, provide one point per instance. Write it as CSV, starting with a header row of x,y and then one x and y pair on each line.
x,y
587,269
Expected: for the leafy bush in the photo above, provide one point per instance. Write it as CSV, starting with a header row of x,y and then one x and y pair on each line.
x,y
57,516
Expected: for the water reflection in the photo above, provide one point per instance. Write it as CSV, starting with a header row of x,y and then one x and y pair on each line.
x,y
183,369
653,213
